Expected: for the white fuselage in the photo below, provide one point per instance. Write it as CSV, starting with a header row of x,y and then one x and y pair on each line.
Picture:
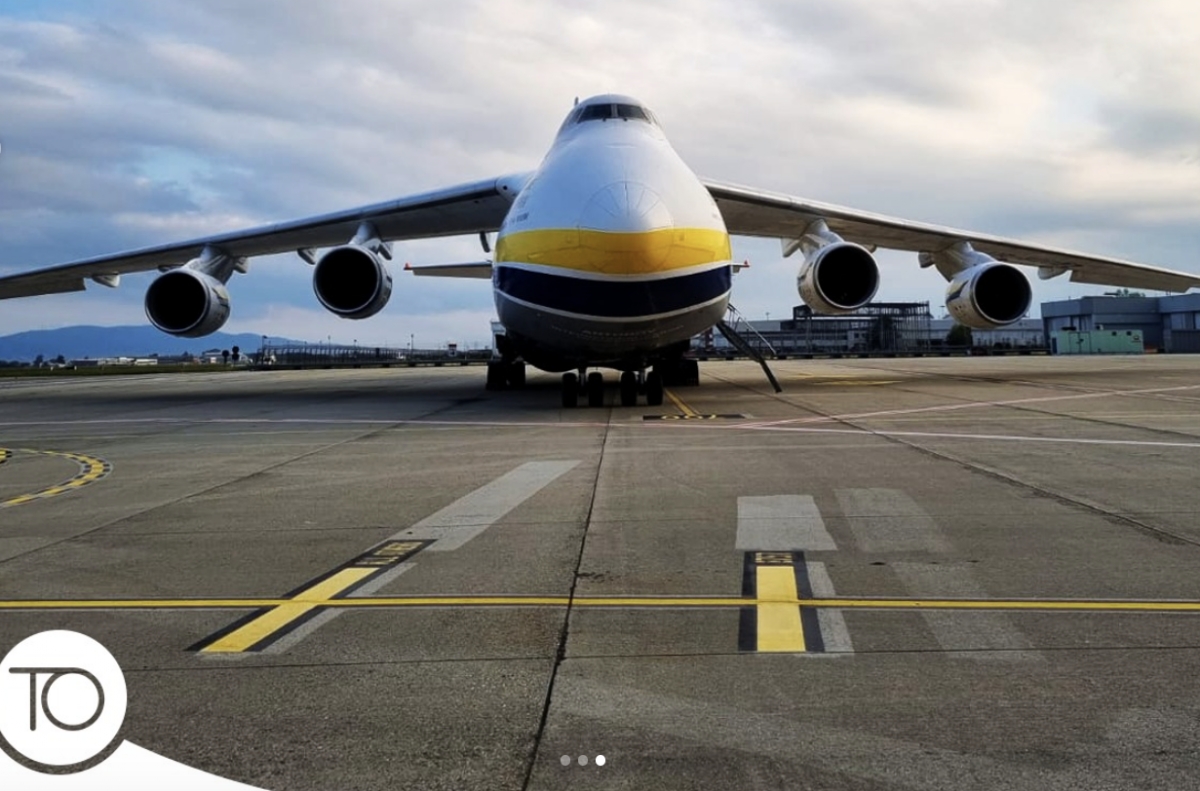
x,y
612,252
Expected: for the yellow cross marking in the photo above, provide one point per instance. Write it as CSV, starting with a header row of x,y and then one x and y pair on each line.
x,y
779,628
304,602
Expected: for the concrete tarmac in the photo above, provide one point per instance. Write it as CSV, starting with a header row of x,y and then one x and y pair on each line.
x,y
897,574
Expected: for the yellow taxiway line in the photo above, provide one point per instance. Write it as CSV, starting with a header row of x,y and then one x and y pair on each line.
x,y
310,599
680,405
91,469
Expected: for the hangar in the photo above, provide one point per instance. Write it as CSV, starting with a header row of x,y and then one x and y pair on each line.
x,y
1167,323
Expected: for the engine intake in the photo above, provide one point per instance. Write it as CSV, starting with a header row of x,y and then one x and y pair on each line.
x,y
352,282
838,278
989,295
187,303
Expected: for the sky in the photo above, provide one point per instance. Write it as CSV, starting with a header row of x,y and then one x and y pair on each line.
x,y
126,124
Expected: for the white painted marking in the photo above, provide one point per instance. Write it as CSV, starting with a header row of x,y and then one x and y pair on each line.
x,y
834,633
781,523
888,520
949,435
975,405
967,635
467,517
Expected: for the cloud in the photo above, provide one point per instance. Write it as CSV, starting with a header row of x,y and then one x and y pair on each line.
x,y
1073,123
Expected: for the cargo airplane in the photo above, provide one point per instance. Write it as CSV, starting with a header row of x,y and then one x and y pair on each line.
x,y
611,254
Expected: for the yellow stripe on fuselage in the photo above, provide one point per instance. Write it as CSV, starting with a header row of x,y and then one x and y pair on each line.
x,y
640,253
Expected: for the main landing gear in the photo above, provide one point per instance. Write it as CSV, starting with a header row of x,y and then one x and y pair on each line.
x,y
502,374
593,388
630,385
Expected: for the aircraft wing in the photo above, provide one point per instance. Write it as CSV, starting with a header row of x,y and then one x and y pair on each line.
x,y
751,212
478,207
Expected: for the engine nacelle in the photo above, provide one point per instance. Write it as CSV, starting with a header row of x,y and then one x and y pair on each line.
x,y
838,278
187,303
989,295
352,282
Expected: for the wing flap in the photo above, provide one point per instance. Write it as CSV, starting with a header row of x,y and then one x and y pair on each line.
x,y
474,269
24,286
749,212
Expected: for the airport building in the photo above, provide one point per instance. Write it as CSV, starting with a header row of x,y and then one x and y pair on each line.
x,y
881,327
1169,324
1089,325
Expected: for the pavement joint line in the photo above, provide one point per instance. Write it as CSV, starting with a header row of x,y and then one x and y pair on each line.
x,y
91,469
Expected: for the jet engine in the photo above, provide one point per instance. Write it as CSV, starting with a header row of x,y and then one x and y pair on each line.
x,y
187,303
352,280
988,295
838,278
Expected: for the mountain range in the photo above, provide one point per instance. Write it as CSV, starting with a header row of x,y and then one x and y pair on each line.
x,y
80,342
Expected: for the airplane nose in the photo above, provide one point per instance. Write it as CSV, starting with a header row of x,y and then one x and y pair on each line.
x,y
625,228
625,207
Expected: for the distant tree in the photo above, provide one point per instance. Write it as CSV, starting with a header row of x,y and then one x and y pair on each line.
x,y
225,356
1124,292
60,360
958,335
237,354
38,361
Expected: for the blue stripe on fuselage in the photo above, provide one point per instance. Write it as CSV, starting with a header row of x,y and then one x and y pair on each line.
x,y
615,299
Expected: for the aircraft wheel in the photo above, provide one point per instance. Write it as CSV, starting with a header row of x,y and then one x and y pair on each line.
x,y
495,375
516,375
629,389
570,390
654,388
595,389
689,371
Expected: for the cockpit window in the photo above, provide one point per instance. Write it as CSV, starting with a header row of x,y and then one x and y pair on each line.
x,y
631,111
595,112
605,112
